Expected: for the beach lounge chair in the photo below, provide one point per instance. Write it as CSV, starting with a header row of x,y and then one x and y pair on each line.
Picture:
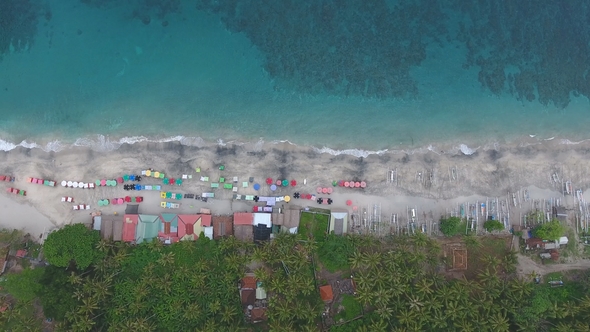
x,y
87,207
227,186
22,192
214,185
75,207
163,204
163,194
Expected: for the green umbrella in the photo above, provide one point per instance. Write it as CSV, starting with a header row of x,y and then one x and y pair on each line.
x,y
178,182
334,183
97,182
168,194
125,177
178,196
106,202
133,199
285,183
166,180
162,175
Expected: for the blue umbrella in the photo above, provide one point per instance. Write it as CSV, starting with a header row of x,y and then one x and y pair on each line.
x,y
256,186
273,187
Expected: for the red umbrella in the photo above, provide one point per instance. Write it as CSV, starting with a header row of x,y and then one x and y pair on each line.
x,y
363,184
268,181
319,190
357,184
325,190
341,183
308,196
346,184
293,183
120,179
349,202
127,199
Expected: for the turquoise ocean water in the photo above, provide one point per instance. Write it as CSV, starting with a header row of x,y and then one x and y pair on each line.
x,y
335,74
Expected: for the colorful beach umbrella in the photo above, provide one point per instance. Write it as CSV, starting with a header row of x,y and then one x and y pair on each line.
x,y
287,199
148,173
120,201
273,187
178,196
349,202
357,184
256,186
278,183
334,183
126,177
166,181
178,182
168,194
330,190
269,181
363,184
319,190
324,190
346,184
156,174
285,183
63,183
127,199
293,183
120,179
341,183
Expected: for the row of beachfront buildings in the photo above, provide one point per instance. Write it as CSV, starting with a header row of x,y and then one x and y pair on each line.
x,y
135,227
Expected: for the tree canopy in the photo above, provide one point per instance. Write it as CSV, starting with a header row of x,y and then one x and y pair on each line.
x,y
493,225
72,244
552,230
451,226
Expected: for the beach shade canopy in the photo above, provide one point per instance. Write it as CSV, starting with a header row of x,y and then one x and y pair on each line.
x,y
100,202
178,182
324,190
296,195
341,183
273,187
287,199
80,184
178,196
268,181
120,201
132,177
127,199
278,183
156,174
126,177
70,183
330,190
63,183
166,181
357,184
138,187
363,184
120,179
285,183
105,202
168,194
349,202
330,201
346,184
319,190
75,184
308,196
293,183
148,173
103,182
256,186
334,183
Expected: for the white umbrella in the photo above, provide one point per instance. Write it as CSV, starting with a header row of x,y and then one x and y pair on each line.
x,y
70,183
75,184
64,183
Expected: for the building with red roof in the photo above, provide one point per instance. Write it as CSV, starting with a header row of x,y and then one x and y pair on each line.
x,y
326,293
243,218
130,222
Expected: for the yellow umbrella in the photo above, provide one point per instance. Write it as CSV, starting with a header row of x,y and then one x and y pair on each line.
x,y
148,173
156,174
287,199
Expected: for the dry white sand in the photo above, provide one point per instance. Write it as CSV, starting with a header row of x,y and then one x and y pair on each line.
x,y
488,173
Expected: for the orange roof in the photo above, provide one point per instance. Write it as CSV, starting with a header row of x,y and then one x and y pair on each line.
x,y
129,224
249,282
326,293
243,218
258,314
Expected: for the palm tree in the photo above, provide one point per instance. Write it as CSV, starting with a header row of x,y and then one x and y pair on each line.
x,y
424,286
74,279
228,314
103,245
356,260
464,325
371,259
379,326
498,322
166,259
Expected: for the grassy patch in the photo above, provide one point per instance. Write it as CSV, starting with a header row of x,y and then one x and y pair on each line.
x,y
351,308
496,247
313,225
334,252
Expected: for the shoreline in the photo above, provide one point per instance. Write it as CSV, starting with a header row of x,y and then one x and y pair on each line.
x,y
486,173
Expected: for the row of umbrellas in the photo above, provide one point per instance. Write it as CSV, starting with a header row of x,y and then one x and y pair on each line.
x,y
279,183
172,181
350,184
115,201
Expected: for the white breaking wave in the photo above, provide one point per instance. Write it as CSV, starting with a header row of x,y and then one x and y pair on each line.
x,y
467,150
353,152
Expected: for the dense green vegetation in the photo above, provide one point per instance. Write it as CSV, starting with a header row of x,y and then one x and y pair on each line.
x,y
451,226
493,225
73,244
551,231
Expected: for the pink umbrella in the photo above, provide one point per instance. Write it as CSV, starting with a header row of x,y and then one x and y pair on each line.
x,y
340,183
330,190
279,182
103,182
349,202
325,190
346,184
357,184
120,201
363,184
120,179
319,190
114,201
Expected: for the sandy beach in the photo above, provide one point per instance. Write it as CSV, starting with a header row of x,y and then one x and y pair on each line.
x,y
486,173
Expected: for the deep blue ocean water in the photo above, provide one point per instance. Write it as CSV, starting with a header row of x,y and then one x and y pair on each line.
x,y
343,74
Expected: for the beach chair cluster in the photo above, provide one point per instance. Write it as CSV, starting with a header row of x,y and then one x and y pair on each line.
x,y
16,191
326,201
170,195
243,197
281,183
153,174
77,184
267,209
351,184
304,196
141,187
128,177
48,183
106,183
120,201
172,181
169,205
7,178
81,207
67,199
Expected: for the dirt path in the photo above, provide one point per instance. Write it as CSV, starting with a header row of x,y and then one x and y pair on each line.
x,y
527,266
